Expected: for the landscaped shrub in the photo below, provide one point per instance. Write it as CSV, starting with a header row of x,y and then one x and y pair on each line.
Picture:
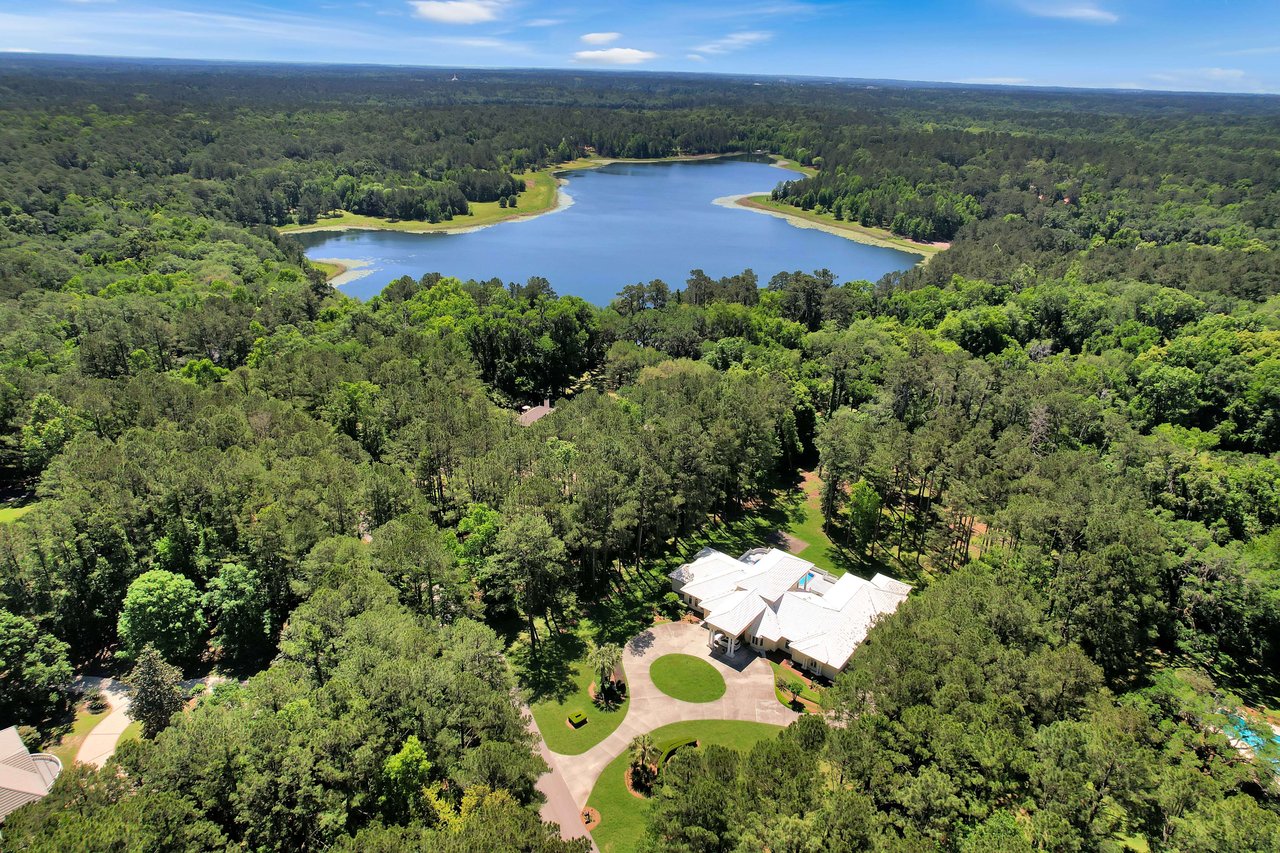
x,y
577,719
669,749
96,701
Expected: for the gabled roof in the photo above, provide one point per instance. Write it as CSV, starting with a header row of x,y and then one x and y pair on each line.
x,y
24,778
781,572
736,619
707,564
825,618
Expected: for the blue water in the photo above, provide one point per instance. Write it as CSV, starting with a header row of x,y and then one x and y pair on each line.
x,y
628,223
804,582
1242,731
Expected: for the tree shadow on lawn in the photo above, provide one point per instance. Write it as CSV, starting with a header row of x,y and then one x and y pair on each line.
x,y
550,674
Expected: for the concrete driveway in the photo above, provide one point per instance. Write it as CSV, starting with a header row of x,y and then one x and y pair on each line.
x,y
100,743
748,696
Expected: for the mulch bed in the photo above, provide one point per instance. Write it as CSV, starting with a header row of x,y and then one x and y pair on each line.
x,y
590,818
633,791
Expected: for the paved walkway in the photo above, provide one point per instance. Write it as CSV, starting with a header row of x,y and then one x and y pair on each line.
x,y
749,696
100,743
559,807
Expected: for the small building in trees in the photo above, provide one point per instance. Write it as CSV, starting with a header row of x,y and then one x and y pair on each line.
x,y
24,777
769,600
532,415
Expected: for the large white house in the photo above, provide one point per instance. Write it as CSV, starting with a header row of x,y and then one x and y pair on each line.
x,y
771,600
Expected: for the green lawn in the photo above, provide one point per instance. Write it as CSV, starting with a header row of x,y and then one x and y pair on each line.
x,y
687,678
779,674
552,712
133,731
806,524
15,512
622,815
69,745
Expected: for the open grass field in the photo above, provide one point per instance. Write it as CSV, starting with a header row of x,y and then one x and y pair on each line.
x,y
860,233
552,712
622,814
538,197
687,678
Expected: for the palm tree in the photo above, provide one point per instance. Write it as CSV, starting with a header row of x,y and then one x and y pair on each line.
x,y
644,757
605,661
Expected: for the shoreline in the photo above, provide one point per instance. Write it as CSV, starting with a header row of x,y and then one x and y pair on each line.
x,y
560,201
850,231
346,271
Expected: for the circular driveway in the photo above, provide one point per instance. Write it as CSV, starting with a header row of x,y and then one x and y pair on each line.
x,y
749,696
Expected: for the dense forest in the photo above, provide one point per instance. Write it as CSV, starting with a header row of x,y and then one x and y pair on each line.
x,y
1064,431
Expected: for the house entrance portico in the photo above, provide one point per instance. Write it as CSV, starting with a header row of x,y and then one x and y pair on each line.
x,y
718,642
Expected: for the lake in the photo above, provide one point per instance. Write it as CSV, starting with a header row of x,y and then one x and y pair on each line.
x,y
625,223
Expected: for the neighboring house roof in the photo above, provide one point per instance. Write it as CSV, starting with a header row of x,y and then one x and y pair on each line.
x,y
782,597
536,413
24,778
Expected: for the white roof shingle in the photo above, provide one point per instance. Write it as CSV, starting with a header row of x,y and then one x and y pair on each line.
x,y
770,594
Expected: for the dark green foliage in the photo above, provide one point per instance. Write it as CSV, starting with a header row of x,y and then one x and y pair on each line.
x,y
155,692
34,673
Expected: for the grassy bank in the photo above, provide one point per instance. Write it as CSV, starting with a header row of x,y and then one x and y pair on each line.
x,y
852,230
331,271
622,814
539,197
793,166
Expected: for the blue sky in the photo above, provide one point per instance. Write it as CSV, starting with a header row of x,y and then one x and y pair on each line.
x,y
1219,45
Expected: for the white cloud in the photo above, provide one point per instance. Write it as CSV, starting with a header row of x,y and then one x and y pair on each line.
x,y
1223,73
615,56
734,41
544,22
696,57
1085,12
458,11
600,38
480,43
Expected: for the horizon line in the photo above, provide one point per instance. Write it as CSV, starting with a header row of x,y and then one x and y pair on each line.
x,y
6,53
